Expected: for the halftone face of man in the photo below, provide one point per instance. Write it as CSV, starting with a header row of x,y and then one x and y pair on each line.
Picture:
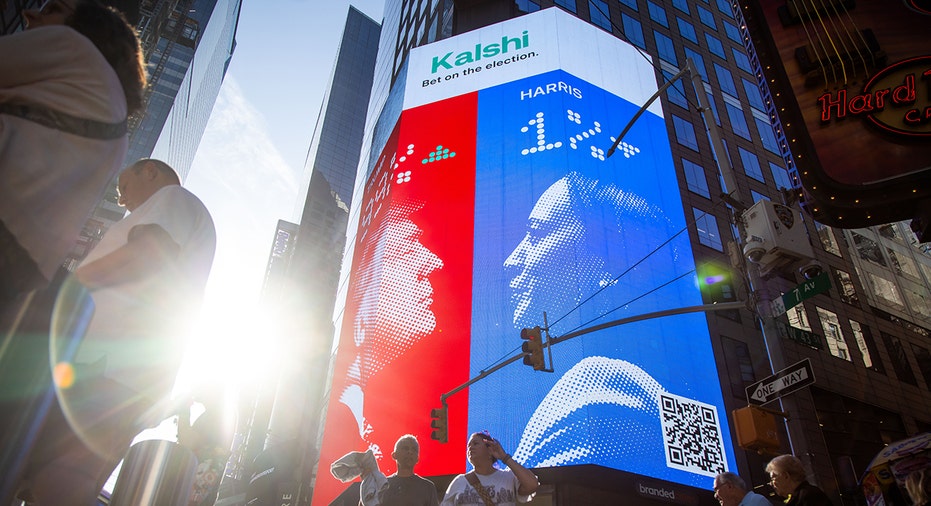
x,y
396,295
550,265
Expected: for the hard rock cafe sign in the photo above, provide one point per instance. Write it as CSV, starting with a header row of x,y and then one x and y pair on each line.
x,y
896,99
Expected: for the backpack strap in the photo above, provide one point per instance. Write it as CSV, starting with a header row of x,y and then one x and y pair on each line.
x,y
472,478
67,123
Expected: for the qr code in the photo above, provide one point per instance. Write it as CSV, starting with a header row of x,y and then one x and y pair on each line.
x,y
691,435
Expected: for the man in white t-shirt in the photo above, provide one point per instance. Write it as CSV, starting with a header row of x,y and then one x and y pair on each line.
x,y
146,276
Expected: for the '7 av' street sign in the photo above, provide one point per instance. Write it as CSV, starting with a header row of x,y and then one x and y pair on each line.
x,y
808,289
786,381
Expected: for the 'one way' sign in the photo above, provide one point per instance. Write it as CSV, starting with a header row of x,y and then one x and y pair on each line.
x,y
786,381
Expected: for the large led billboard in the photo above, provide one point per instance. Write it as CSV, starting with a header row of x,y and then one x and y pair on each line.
x,y
493,202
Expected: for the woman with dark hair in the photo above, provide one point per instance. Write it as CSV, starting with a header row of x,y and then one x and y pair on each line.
x,y
67,84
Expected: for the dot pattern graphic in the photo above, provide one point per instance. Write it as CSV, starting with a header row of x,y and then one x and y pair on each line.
x,y
600,407
536,127
441,153
393,297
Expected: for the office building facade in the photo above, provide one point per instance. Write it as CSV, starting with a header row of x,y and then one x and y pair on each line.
x,y
864,338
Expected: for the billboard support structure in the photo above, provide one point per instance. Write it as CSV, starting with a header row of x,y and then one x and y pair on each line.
x,y
731,196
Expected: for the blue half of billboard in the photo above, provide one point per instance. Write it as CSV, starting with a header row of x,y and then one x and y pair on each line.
x,y
492,203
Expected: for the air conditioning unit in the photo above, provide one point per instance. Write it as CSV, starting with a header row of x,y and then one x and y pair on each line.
x,y
776,237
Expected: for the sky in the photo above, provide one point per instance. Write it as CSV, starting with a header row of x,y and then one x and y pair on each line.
x,y
250,163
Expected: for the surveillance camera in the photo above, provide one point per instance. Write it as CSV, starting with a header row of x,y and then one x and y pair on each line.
x,y
811,269
754,251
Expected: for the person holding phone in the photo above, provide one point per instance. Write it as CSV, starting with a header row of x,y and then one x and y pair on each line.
x,y
486,485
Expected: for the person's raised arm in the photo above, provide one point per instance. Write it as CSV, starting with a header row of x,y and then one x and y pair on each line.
x,y
149,249
528,481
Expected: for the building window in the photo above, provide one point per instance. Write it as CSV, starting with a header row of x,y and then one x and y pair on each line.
x,y
903,264
715,46
751,164
900,364
598,10
864,339
724,6
686,30
767,137
798,318
890,231
917,297
685,132
527,6
682,5
868,249
713,105
923,358
732,32
695,178
845,289
665,48
738,120
828,242
633,31
833,334
630,3
696,57
886,290
753,94
725,80
737,352
657,14
780,176
676,92
706,17
708,232
757,196
743,63
569,5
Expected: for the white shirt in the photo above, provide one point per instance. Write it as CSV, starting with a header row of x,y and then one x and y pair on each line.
x,y
502,485
136,325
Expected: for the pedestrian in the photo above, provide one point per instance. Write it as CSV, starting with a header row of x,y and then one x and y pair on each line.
x,y
406,488
146,276
731,490
67,84
209,438
789,480
918,485
487,485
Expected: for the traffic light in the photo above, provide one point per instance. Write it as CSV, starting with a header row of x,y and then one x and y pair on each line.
x,y
533,346
439,424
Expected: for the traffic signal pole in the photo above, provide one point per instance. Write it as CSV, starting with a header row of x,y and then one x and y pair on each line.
x,y
760,296
551,341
